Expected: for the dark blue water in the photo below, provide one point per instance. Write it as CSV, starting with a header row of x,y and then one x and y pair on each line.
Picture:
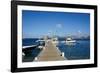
x,y
30,54
29,41
80,50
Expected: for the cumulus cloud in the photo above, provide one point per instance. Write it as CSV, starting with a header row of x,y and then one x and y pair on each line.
x,y
79,32
59,25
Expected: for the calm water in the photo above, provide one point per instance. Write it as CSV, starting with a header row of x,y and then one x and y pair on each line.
x,y
27,42
30,54
80,50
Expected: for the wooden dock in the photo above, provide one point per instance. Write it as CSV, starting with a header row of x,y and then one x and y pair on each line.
x,y
50,53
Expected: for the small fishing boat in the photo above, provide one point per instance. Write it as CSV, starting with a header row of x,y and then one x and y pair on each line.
x,y
70,41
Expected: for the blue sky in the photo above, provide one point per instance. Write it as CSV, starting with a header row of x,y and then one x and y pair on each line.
x,y
41,23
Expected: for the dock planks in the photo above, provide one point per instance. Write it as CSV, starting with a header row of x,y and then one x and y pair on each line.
x,y
50,53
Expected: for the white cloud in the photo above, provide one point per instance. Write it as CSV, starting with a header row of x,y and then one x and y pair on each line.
x,y
79,31
59,25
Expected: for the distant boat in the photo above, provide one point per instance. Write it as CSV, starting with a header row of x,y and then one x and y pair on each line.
x,y
70,41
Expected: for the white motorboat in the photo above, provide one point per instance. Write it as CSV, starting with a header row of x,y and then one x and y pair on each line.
x,y
70,41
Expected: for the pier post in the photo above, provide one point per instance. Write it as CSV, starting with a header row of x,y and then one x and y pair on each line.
x,y
36,58
23,54
63,54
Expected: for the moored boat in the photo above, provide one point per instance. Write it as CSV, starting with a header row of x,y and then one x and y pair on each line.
x,y
70,41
